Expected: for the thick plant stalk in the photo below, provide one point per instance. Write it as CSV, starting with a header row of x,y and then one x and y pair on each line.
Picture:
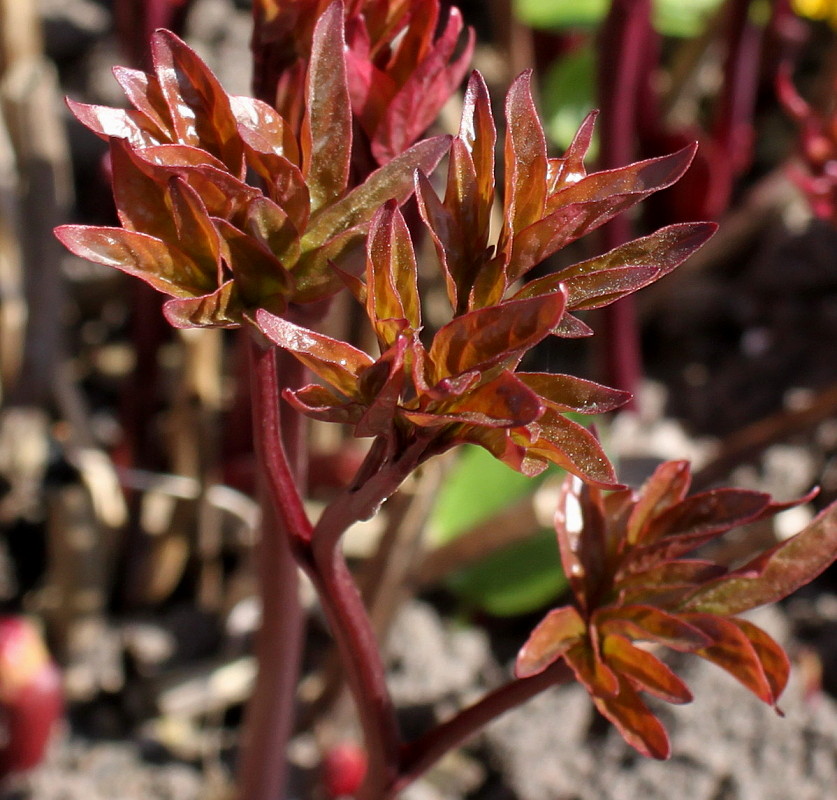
x,y
270,714
378,478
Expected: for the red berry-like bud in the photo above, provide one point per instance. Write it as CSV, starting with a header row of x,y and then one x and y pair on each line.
x,y
344,768
31,699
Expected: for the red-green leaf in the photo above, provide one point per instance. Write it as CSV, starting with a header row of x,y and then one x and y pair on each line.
x,y
644,669
327,125
638,726
773,658
559,630
123,124
336,362
574,448
525,158
648,623
391,276
774,574
668,486
568,393
199,106
218,309
489,336
732,651
162,266
393,181
145,94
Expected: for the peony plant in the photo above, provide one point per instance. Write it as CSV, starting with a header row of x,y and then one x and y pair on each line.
x,y
253,213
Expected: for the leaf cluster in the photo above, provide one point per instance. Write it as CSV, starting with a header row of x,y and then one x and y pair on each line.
x,y
627,557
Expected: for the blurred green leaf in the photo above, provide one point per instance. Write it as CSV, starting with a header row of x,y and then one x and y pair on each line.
x,y
477,487
517,580
671,17
569,92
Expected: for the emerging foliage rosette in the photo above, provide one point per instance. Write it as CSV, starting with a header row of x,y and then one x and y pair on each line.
x,y
626,556
462,384
192,226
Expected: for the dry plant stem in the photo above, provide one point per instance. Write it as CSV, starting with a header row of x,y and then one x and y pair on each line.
x,y
625,37
270,714
420,754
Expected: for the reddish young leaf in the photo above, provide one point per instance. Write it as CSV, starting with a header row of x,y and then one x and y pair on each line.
x,y
107,122
667,487
773,574
160,265
525,158
773,658
648,623
336,362
319,403
490,336
559,630
326,136
195,231
199,106
568,393
146,96
644,669
570,169
219,309
415,105
391,276
733,651
479,135
599,680
263,130
501,402
384,381
638,726
574,448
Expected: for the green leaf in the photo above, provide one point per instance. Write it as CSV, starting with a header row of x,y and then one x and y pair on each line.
x,y
569,92
517,580
476,473
561,14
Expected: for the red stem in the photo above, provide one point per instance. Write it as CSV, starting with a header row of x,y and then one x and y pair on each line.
x,y
623,67
348,619
420,754
270,712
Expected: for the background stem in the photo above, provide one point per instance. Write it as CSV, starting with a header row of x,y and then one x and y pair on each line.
x,y
270,712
